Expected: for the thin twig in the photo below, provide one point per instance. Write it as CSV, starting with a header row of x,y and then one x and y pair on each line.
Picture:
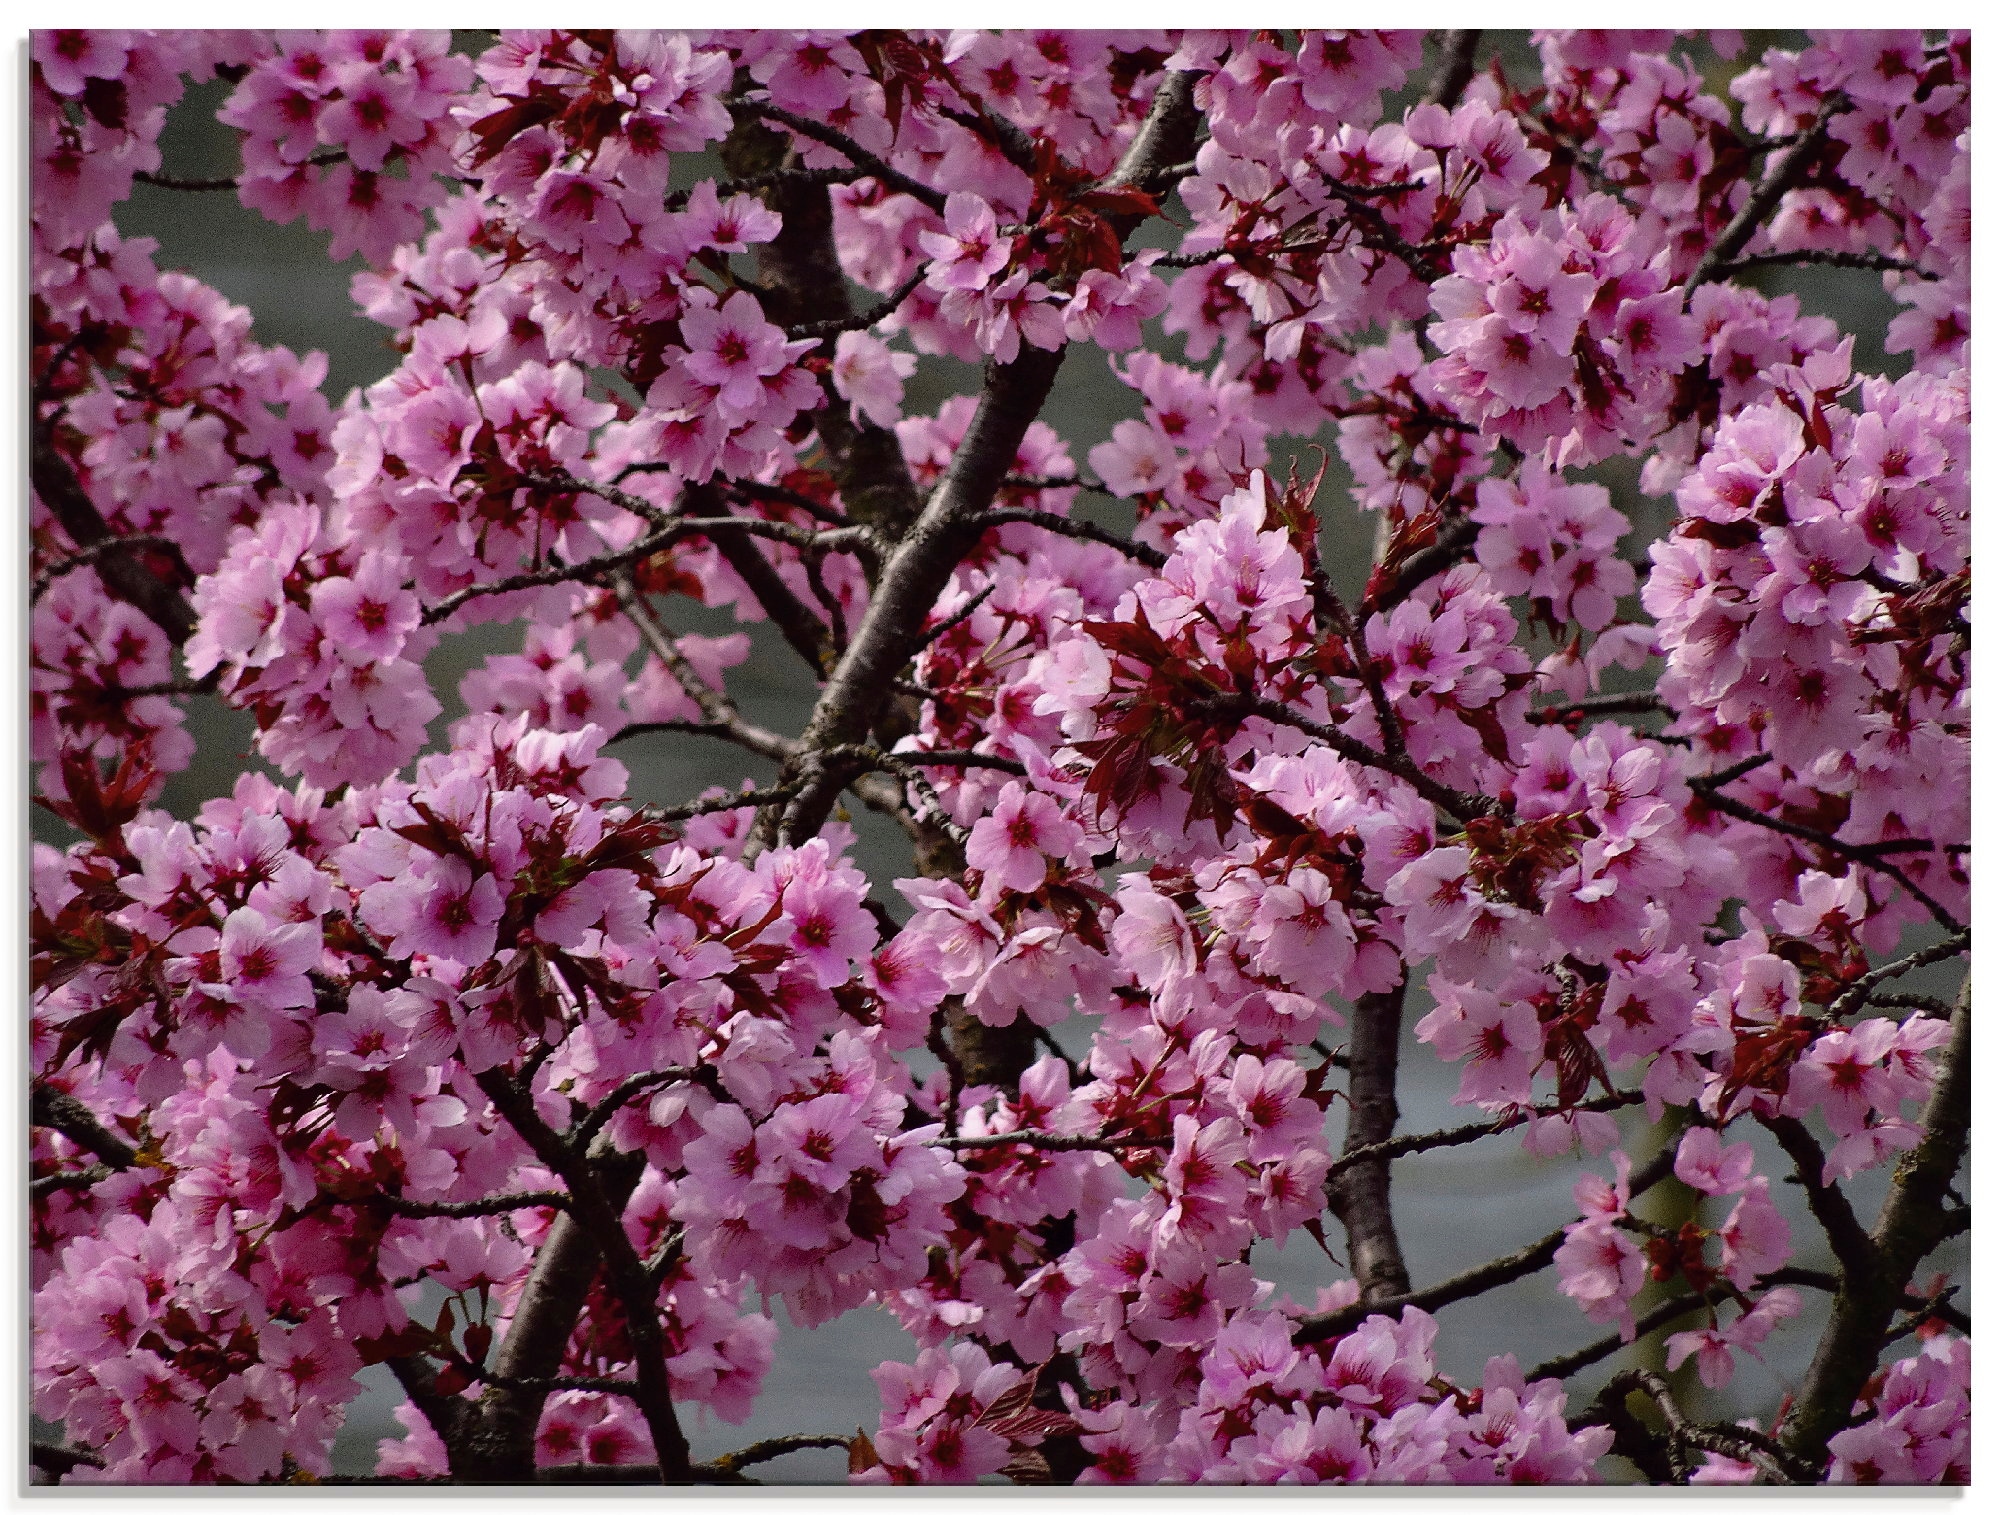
x,y
497,1204
863,319
203,186
584,1132
1457,1136
1854,994
958,617
948,759
1874,262
1048,1141
1663,1313
1461,807
1535,1256
1085,531
1056,481
1709,790
1635,702
840,142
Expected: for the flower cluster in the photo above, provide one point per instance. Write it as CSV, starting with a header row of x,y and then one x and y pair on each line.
x,y
326,117
452,1059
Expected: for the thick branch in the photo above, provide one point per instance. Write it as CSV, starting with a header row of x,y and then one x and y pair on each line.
x,y
1358,1190
1783,177
764,1451
1454,68
85,556
57,1111
925,558
805,291
123,575
1684,1437
448,1414
1851,1246
1913,1221
916,574
56,1459
600,1184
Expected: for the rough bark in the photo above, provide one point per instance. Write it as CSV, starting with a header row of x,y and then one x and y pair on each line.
x,y
1454,68
123,573
1359,1194
1913,1221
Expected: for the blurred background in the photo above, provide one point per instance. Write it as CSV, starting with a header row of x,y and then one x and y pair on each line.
x,y
1455,1208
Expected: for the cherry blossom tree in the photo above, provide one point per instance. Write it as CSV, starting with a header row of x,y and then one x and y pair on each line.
x,y
449,1055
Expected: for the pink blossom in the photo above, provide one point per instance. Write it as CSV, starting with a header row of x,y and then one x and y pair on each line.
x,y
970,250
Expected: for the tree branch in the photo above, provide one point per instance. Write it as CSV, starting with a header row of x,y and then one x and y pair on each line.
x,y
1854,994
1085,531
1912,1222
1357,1189
498,1204
1710,791
1663,1313
123,575
1454,68
56,1111
833,326
85,556
585,1131
1784,175
1684,1436
913,578
840,142
1825,257
1458,1136
52,1457
1851,1246
1634,702
1461,807
764,1451
1489,1275
502,1443
720,711
1048,1141
205,186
